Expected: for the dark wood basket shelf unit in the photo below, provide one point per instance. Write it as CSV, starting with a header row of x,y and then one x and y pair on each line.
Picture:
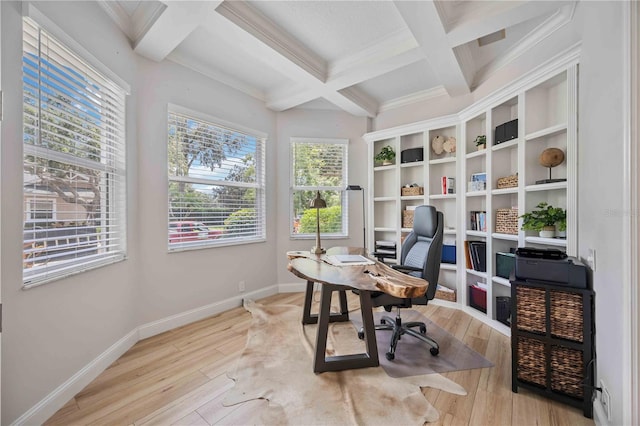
x,y
552,336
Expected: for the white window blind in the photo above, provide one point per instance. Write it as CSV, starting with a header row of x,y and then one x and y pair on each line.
x,y
216,183
318,165
74,162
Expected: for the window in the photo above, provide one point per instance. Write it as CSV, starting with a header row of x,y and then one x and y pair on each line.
x,y
318,165
40,210
216,182
74,162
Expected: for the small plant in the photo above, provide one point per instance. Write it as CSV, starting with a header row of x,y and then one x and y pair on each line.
x,y
543,216
480,140
386,155
562,220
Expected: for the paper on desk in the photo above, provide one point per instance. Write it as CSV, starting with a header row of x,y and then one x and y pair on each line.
x,y
349,260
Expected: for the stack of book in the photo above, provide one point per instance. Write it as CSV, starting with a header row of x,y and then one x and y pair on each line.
x,y
478,220
476,255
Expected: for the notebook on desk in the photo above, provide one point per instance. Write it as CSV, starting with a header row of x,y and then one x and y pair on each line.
x,y
349,260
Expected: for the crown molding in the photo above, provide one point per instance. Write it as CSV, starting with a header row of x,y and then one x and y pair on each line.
x,y
119,15
143,18
260,27
556,21
407,129
555,65
217,75
413,98
361,104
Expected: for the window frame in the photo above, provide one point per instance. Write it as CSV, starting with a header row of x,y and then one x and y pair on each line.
x,y
343,194
260,186
115,166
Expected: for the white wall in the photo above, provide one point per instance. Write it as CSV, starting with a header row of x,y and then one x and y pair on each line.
x,y
52,331
600,173
177,282
319,124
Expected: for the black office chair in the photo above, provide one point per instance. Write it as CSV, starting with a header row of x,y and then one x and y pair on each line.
x,y
420,256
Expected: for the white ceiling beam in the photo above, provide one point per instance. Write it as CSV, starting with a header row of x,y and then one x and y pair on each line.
x,y
423,20
508,14
395,52
254,33
171,27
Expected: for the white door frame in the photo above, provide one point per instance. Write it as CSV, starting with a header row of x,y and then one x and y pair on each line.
x,y
631,253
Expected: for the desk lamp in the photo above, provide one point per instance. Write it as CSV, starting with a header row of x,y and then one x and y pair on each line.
x,y
318,203
364,227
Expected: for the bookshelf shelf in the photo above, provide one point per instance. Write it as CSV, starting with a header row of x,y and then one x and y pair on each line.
x,y
477,273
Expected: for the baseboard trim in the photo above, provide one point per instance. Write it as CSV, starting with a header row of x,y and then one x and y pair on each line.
x,y
48,406
292,287
184,318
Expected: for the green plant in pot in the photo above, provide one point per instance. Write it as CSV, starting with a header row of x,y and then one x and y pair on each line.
x,y
386,156
543,219
481,142
561,224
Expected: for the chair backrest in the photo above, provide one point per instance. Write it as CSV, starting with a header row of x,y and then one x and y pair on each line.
x,y
422,248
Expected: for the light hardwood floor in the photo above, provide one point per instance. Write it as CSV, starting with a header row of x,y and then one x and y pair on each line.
x,y
178,377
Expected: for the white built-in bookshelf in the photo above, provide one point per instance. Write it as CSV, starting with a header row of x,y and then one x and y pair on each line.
x,y
545,105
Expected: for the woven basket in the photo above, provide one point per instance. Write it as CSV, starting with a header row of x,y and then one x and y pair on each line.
x,y
508,182
413,190
567,369
530,309
446,295
507,221
532,365
566,315
407,218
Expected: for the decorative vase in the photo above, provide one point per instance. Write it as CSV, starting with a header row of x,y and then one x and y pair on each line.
x,y
481,147
387,162
561,234
548,232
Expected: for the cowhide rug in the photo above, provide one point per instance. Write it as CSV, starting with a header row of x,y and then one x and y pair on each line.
x,y
277,365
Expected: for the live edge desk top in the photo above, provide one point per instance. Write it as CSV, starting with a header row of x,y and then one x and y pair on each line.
x,y
365,278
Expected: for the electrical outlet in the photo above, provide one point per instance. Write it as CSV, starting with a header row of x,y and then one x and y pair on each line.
x,y
591,259
605,400
241,286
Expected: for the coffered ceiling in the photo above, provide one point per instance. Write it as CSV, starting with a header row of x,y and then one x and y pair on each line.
x,y
363,57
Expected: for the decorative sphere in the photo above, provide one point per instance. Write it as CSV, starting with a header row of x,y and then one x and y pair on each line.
x,y
551,157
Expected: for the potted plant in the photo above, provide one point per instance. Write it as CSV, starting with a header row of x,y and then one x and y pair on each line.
x,y
561,225
543,219
481,142
386,156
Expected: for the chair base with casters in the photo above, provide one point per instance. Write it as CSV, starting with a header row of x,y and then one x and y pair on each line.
x,y
398,329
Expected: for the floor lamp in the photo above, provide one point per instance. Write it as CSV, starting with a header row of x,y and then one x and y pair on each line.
x,y
364,226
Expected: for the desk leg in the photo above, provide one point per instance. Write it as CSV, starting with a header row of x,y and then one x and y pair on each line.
x,y
309,318
321,362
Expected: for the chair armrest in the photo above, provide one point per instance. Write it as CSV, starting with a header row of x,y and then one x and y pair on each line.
x,y
406,268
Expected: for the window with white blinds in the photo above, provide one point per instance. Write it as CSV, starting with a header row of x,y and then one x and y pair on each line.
x,y
216,182
74,162
318,165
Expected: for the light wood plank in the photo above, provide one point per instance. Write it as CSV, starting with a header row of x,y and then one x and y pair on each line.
x,y
178,377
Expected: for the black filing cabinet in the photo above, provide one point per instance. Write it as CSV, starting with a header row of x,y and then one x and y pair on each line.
x,y
552,336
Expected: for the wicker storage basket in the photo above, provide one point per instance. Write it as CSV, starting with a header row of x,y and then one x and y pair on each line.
x,y
414,190
407,218
508,182
567,368
532,365
446,295
566,315
531,309
507,221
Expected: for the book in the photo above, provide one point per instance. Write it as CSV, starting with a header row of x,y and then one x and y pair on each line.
x,y
448,185
478,255
385,243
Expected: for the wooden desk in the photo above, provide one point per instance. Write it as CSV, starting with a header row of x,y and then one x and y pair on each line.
x,y
365,278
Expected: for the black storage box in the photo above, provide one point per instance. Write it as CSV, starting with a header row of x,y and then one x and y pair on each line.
x,y
506,132
568,271
411,155
503,309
